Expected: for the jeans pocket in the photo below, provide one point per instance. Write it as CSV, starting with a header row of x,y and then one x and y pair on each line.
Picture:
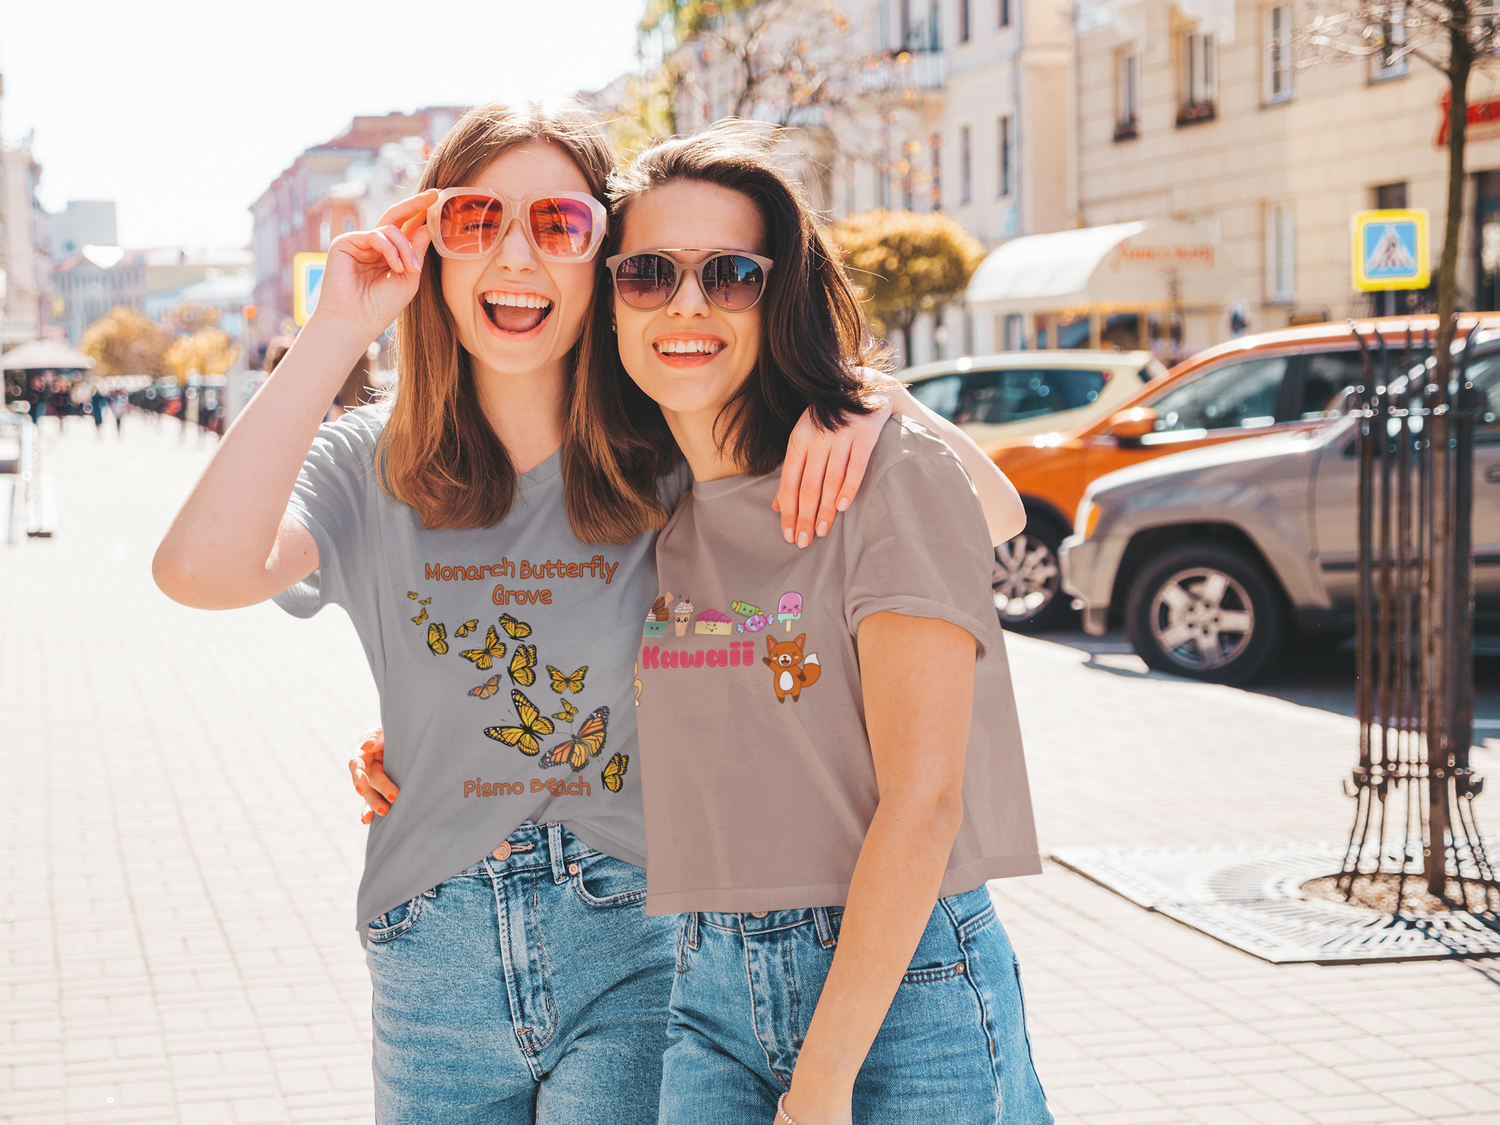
x,y
934,973
606,883
396,921
1025,1030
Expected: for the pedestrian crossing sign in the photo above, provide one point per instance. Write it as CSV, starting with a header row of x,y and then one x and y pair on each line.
x,y
307,283
1390,250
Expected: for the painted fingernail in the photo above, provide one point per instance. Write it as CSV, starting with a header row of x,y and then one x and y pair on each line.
x,y
786,534
802,539
822,528
843,504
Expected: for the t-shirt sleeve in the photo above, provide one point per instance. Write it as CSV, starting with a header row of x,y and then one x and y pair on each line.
x,y
918,545
331,500
671,486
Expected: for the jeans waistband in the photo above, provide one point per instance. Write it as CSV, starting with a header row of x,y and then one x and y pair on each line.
x,y
825,919
548,845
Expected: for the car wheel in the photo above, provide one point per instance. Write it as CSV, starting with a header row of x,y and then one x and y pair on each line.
x,y
1027,580
1207,612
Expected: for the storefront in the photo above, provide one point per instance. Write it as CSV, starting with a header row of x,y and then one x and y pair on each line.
x,y
1157,285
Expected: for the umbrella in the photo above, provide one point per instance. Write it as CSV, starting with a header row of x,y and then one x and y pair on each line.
x,y
45,355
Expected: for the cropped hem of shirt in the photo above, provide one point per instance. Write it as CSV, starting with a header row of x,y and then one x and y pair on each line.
x,y
744,900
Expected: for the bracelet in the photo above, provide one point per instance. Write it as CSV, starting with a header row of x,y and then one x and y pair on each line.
x,y
781,1111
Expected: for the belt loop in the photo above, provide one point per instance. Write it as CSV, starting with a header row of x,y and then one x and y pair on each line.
x,y
555,846
825,927
692,929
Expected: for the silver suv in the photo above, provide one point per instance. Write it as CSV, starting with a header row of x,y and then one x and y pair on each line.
x,y
1208,558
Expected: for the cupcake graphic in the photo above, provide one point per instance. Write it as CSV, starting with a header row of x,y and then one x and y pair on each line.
x,y
682,616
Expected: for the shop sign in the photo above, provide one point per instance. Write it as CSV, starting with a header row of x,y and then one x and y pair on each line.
x,y
1482,115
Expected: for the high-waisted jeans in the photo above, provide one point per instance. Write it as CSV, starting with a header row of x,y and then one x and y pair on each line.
x,y
532,988
953,1047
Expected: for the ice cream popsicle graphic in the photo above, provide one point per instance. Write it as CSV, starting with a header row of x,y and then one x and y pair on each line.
x,y
789,609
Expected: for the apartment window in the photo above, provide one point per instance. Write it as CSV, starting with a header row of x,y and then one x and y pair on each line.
x,y
1007,169
325,234
1004,13
963,21
964,170
1279,53
1391,197
1200,78
1127,95
1390,60
1281,258
348,225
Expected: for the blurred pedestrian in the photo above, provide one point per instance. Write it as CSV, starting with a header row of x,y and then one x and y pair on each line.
x,y
98,404
120,404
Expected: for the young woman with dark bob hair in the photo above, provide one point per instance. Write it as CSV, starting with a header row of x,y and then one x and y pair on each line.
x,y
491,541
829,745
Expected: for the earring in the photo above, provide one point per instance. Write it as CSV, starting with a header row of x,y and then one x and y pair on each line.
x,y
614,327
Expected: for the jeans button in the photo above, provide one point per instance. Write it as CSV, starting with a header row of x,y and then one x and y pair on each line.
x,y
502,852
759,913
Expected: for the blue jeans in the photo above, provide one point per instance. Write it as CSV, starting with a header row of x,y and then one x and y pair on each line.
x,y
953,1047
532,988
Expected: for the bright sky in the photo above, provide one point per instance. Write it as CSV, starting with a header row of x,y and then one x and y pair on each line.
x,y
183,112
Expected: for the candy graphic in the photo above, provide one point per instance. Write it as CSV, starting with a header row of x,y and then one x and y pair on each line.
x,y
712,623
682,615
745,609
754,623
789,609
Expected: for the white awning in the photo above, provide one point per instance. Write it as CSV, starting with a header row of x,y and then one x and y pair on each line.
x,y
43,355
1124,266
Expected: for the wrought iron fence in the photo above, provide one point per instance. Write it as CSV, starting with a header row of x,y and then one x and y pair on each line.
x,y
1414,787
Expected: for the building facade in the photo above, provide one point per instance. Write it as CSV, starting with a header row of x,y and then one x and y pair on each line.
x,y
89,284
954,105
1222,118
23,247
342,185
83,222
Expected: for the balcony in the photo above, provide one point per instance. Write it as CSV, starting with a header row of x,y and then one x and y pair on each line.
x,y
906,70
1195,113
1127,130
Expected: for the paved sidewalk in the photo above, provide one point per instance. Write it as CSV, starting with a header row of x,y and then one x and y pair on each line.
x,y
181,848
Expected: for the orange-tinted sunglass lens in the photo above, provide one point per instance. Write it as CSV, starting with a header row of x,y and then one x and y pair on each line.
x,y
562,228
470,224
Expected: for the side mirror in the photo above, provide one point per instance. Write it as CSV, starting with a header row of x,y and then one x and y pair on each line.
x,y
1133,424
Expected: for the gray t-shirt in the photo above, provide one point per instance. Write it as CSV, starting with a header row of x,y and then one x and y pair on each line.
x,y
759,781
503,659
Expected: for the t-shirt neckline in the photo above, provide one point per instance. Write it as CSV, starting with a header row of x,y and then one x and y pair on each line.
x,y
724,486
543,471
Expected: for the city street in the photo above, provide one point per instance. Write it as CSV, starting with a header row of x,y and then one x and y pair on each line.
x,y
181,847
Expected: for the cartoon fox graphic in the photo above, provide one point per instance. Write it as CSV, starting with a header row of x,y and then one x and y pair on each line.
x,y
790,670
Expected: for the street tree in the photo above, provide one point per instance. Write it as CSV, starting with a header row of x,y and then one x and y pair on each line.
x,y
124,342
906,263
1455,38
797,64
206,351
191,316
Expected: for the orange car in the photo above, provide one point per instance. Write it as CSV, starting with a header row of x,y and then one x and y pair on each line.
x,y
1270,383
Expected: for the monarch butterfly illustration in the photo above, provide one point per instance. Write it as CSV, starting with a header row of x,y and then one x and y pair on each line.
x,y
562,682
466,628
568,712
484,658
533,725
425,601
437,638
421,617
614,773
523,665
583,744
488,688
412,594
518,630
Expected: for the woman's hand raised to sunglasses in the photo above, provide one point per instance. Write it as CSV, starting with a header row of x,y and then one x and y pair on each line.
x,y
372,274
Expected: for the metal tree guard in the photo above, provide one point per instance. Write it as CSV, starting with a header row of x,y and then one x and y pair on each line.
x,y
1413,787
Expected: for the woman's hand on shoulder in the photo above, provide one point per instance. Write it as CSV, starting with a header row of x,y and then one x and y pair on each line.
x,y
371,275
370,779
824,469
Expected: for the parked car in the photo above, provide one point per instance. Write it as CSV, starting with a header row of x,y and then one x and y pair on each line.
x,y
1013,396
1273,383
1210,558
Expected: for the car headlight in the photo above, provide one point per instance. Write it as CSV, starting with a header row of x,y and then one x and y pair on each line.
x,y
1087,519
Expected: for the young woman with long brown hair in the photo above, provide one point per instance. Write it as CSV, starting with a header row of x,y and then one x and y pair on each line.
x,y
492,544
832,767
